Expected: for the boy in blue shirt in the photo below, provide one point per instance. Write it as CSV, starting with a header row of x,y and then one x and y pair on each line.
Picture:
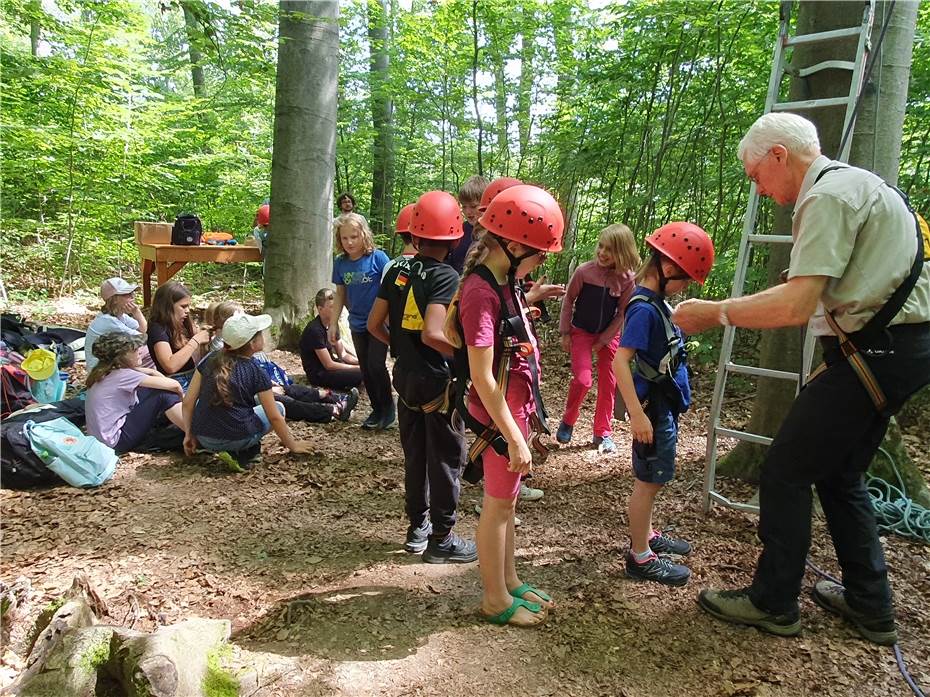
x,y
658,391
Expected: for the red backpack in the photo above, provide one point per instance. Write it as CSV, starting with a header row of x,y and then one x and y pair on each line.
x,y
14,390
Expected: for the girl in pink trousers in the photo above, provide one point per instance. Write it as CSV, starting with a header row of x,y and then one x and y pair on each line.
x,y
592,314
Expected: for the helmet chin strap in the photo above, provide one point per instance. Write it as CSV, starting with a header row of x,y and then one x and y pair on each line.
x,y
663,279
513,258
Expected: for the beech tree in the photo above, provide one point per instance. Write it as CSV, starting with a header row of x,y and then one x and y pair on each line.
x,y
299,250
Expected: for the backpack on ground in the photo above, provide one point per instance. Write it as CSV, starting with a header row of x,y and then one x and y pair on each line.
x,y
187,230
15,393
80,460
20,468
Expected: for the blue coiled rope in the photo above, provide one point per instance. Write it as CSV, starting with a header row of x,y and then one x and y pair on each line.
x,y
894,511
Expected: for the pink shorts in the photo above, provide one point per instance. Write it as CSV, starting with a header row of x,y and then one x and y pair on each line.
x,y
499,481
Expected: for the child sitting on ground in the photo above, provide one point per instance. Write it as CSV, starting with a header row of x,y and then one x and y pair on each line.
x,y
125,401
118,314
658,391
301,402
173,341
219,409
326,363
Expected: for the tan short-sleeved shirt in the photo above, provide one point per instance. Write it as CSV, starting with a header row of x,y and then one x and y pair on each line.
x,y
855,229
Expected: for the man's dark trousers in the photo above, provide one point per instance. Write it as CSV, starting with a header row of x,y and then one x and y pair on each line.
x,y
828,440
434,454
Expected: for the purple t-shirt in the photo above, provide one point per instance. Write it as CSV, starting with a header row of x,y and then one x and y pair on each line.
x,y
479,311
108,403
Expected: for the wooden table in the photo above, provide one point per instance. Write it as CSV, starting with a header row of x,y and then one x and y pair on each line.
x,y
166,259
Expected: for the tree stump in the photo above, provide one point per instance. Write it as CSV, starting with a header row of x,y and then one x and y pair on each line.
x,y
170,662
70,654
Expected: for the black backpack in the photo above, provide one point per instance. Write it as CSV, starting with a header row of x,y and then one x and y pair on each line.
x,y
187,230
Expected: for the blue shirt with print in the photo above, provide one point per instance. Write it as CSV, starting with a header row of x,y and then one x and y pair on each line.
x,y
644,331
362,278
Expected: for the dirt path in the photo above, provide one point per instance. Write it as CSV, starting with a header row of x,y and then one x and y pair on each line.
x,y
304,556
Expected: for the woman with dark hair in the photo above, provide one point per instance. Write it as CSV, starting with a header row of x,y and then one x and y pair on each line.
x,y
173,341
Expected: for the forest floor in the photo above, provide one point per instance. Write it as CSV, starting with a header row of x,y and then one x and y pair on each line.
x,y
304,555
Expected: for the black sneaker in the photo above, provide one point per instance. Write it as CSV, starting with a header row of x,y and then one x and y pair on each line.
x,y
452,550
879,629
737,608
372,422
663,544
417,538
347,404
657,569
388,419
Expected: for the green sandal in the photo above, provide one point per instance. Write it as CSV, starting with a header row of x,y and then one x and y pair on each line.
x,y
504,617
520,591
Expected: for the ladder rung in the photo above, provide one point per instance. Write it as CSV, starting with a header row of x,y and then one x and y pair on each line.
x,y
819,36
827,65
761,372
720,498
771,239
810,104
742,435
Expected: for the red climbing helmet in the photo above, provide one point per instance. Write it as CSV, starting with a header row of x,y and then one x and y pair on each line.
x,y
402,224
687,245
494,188
436,216
263,215
528,215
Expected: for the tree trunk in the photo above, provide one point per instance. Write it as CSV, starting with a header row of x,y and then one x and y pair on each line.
x,y
474,85
502,158
382,116
193,31
299,252
527,74
35,28
875,149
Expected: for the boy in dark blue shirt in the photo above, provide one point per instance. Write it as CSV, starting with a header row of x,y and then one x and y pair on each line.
x,y
658,391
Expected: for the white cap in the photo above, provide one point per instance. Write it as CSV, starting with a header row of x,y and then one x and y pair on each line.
x,y
239,329
116,286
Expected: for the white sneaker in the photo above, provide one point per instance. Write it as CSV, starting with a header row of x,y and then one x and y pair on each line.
x,y
516,521
528,493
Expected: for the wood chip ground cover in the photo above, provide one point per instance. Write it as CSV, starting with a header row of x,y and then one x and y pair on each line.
x,y
304,556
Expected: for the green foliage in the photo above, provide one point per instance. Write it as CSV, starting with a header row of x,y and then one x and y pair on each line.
x,y
629,112
219,682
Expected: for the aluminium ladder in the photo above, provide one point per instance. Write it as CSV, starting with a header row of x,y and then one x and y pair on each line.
x,y
749,237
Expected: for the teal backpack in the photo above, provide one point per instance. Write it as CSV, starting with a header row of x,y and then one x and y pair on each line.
x,y
80,460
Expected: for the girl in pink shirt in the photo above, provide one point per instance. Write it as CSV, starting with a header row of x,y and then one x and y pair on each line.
x,y
592,314
521,225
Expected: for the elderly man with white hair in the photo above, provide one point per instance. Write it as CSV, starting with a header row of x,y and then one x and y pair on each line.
x,y
856,251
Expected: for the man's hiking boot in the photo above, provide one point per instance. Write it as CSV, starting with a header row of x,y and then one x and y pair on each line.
x,y
658,570
347,404
564,433
372,421
388,419
736,607
879,630
663,544
452,550
417,538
